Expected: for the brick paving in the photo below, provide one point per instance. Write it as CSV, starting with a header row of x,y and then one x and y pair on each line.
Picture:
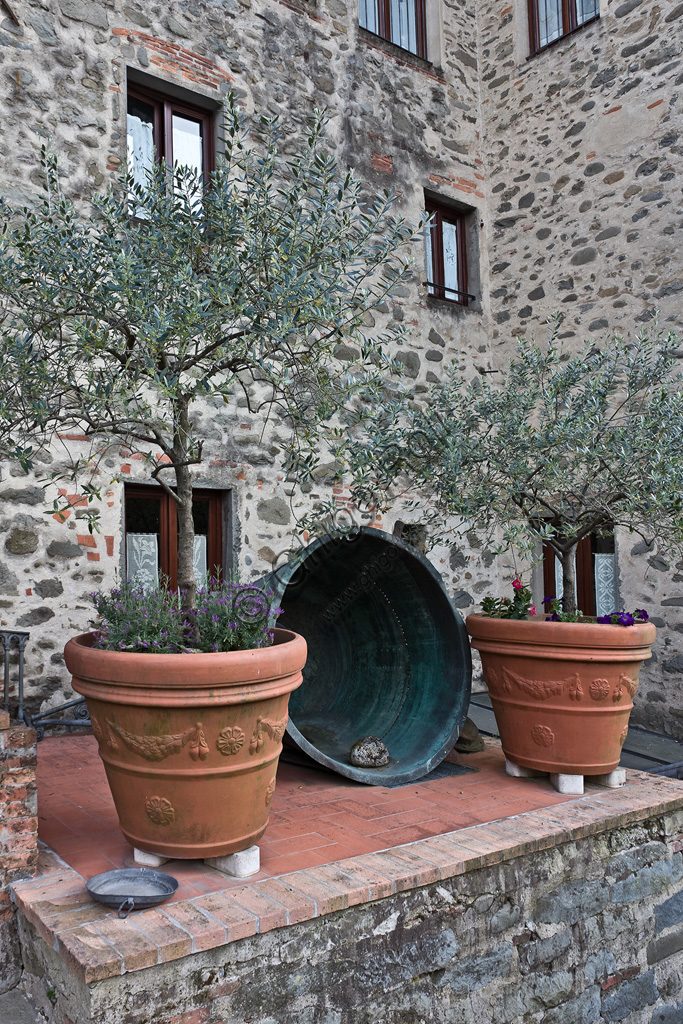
x,y
316,817
483,818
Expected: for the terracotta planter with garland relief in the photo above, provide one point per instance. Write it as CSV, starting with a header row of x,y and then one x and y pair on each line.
x,y
562,692
190,742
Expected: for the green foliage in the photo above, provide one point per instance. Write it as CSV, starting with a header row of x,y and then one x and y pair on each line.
x,y
519,606
559,446
244,288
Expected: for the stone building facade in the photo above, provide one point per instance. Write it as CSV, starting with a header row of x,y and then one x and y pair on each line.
x,y
562,171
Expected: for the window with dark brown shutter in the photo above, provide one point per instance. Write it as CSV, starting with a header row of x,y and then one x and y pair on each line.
x,y
596,580
151,534
447,253
160,127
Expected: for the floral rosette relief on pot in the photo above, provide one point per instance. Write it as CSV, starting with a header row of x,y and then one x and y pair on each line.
x,y
561,684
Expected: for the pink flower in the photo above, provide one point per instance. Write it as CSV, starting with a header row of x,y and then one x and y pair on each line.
x,y
517,584
532,610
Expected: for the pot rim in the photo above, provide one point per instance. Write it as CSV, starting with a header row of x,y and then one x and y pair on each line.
x,y
572,634
171,671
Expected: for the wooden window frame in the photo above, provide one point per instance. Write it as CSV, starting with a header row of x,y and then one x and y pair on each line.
x,y
384,25
437,273
168,527
164,108
569,25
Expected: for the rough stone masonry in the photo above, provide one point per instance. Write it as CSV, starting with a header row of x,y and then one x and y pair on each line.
x,y
582,931
567,165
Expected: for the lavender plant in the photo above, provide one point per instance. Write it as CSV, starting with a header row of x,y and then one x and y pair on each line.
x,y
230,616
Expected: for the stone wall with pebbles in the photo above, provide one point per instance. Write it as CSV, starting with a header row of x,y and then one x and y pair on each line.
x,y
568,163
401,121
583,148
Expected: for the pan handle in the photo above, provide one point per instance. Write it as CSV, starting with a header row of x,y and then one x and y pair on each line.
x,y
126,907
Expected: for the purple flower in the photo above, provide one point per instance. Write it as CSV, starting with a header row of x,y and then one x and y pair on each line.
x,y
641,614
625,619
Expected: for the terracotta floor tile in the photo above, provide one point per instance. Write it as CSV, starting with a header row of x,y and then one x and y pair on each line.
x,y
348,837
297,844
399,836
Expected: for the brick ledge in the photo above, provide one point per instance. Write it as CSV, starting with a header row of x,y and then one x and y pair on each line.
x,y
97,945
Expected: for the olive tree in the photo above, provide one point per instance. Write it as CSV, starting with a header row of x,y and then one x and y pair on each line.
x,y
555,447
171,290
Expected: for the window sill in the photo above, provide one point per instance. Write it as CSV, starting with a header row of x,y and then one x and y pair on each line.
x,y
567,35
397,52
472,306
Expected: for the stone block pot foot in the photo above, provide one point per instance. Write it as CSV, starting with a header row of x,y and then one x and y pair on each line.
x,y
190,742
562,692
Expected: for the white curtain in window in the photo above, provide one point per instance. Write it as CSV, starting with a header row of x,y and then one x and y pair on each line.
x,y
367,15
188,152
605,584
142,558
431,273
140,148
200,560
550,20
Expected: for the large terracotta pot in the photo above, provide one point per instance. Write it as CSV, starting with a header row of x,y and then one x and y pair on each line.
x,y
190,742
562,692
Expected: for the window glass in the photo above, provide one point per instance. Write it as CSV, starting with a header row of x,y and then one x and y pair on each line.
x,y
143,523
400,21
187,149
403,25
430,257
450,259
187,143
586,9
549,21
140,128
367,15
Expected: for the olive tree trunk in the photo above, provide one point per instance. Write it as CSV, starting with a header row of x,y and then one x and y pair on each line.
x,y
187,585
568,560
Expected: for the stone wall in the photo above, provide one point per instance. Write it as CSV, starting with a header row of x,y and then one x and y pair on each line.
x,y
568,162
18,835
582,932
583,167
401,121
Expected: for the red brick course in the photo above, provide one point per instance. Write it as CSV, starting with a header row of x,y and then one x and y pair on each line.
x,y
176,59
